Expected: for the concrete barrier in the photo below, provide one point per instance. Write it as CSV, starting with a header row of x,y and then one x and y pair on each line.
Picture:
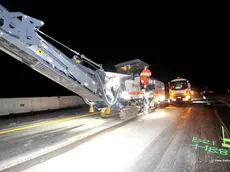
x,y
33,104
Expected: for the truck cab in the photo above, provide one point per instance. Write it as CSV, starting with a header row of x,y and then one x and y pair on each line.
x,y
180,90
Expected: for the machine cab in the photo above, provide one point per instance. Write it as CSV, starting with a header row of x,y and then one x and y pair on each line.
x,y
132,67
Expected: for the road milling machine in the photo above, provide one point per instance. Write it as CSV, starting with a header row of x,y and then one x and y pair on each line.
x,y
112,93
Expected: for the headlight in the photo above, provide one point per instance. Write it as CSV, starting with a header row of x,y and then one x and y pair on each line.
x,y
188,97
171,93
160,98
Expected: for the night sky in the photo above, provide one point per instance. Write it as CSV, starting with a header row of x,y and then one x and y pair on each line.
x,y
78,27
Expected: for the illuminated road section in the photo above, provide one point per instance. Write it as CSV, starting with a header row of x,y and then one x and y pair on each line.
x,y
115,150
172,139
176,138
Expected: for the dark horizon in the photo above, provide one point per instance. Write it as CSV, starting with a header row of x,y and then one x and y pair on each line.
x,y
194,64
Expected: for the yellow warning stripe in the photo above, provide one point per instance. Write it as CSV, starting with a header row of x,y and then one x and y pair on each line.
x,y
44,123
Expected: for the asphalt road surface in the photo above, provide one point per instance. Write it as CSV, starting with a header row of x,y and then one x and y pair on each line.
x,y
27,137
176,138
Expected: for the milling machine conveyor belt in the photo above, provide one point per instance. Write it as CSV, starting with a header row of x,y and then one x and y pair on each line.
x,y
20,39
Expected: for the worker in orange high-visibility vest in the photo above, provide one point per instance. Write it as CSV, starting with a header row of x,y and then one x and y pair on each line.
x,y
144,77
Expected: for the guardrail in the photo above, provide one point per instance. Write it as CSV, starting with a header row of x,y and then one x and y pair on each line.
x,y
33,104
224,100
225,103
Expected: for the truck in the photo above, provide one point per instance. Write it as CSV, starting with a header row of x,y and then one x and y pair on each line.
x,y
180,90
22,39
